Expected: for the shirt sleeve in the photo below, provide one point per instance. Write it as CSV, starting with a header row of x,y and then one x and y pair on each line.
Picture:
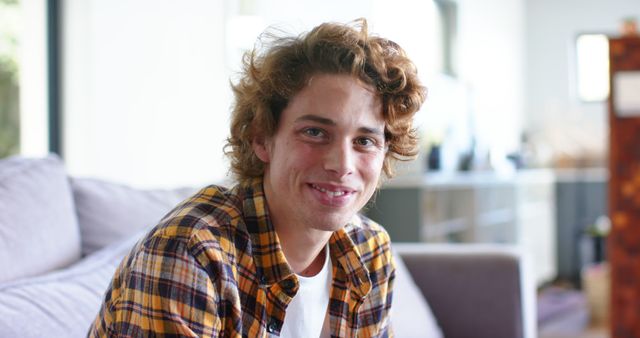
x,y
161,290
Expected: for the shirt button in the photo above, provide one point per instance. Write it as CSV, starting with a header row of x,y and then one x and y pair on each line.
x,y
288,284
272,326
263,280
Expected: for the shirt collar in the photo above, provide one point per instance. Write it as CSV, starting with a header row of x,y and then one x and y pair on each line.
x,y
271,264
349,259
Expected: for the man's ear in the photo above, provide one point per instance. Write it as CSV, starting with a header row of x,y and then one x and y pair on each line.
x,y
261,149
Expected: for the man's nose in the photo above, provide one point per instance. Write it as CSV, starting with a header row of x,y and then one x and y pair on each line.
x,y
340,159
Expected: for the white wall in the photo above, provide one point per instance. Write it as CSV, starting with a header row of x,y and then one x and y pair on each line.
x,y
491,64
145,93
554,113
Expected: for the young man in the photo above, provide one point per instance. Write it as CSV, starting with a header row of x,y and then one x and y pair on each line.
x,y
317,120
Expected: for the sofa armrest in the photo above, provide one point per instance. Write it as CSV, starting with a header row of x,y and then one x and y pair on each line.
x,y
474,290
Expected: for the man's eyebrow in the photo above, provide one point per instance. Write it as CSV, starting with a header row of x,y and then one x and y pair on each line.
x,y
316,118
330,122
368,130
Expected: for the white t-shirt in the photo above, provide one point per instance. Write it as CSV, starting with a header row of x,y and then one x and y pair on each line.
x,y
307,312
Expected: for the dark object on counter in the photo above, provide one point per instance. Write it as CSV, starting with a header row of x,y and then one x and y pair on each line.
x,y
466,161
516,159
434,158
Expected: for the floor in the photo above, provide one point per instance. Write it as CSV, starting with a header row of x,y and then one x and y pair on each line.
x,y
564,313
587,333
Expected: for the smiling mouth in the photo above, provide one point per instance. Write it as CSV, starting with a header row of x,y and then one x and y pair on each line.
x,y
331,193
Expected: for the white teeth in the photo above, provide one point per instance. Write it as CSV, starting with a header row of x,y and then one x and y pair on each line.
x,y
328,192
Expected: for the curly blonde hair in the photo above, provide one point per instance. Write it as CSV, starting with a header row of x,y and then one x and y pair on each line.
x,y
269,79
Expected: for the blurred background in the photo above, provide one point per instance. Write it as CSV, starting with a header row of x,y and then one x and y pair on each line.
x,y
513,134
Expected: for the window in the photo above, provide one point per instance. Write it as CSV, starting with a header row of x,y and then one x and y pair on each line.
x,y
23,78
9,78
592,67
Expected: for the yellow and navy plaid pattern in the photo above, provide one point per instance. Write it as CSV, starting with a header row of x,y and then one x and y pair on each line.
x,y
213,267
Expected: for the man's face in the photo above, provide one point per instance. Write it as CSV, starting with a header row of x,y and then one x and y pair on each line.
x,y
325,159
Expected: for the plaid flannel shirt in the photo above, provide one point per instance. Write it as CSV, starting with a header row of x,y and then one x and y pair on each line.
x,y
213,267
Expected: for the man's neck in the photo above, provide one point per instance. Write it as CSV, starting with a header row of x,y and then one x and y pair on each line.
x,y
304,250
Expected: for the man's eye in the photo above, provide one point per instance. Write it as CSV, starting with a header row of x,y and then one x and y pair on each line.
x,y
314,132
365,141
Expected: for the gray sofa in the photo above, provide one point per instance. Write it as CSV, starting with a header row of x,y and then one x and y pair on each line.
x,y
61,239
474,290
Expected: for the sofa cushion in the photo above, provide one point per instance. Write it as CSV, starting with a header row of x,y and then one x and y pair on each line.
x,y
38,226
411,316
62,303
108,212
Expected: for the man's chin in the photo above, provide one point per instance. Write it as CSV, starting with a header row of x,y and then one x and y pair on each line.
x,y
330,228
330,223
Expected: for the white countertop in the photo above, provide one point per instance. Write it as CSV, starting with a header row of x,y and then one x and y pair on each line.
x,y
479,178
